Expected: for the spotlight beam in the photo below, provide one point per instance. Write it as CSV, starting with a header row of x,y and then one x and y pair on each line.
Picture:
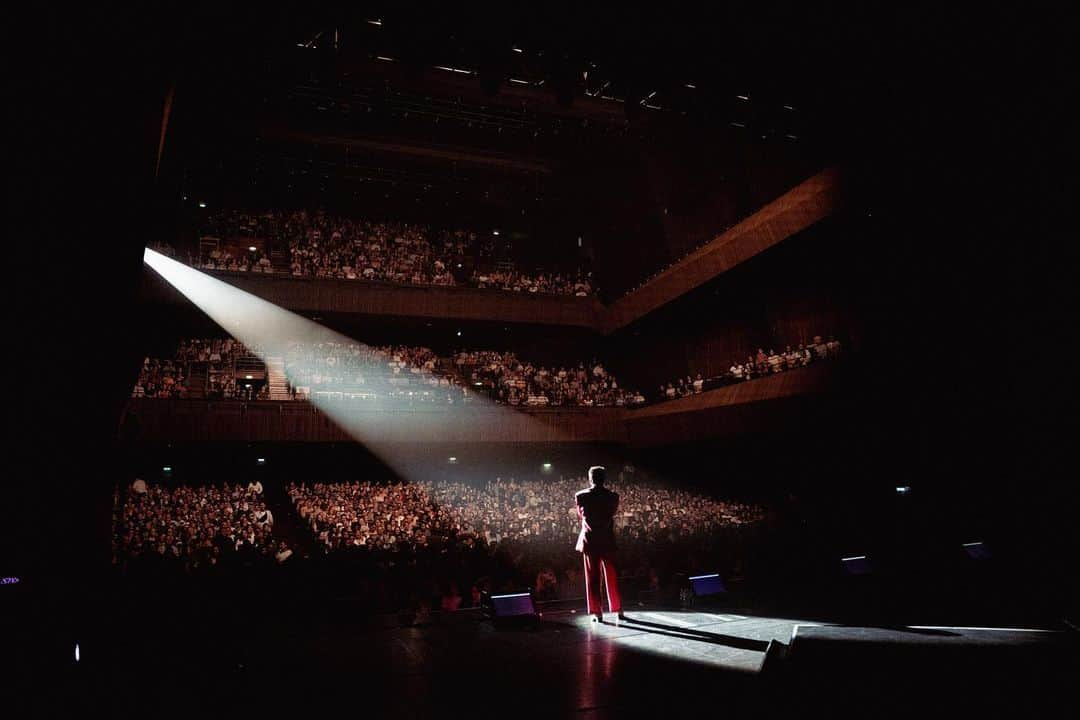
x,y
268,330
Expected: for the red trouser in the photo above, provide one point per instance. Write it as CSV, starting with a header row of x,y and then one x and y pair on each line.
x,y
594,564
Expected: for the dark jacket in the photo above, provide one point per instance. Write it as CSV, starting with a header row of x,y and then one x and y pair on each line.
x,y
596,508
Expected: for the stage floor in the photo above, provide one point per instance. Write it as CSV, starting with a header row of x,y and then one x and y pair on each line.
x,y
656,662
277,659
725,641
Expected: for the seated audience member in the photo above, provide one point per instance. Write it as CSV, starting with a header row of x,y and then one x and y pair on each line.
x,y
264,517
791,358
775,362
451,599
547,585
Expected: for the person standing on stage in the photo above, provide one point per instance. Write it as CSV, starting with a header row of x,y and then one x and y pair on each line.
x,y
597,507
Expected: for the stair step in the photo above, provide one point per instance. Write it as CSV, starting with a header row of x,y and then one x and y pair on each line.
x,y
276,380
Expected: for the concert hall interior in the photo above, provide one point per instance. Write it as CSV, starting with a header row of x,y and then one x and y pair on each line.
x,y
462,362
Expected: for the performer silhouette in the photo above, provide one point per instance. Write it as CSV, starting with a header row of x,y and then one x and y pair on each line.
x,y
597,507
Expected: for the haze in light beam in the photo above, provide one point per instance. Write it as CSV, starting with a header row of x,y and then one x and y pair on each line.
x,y
268,330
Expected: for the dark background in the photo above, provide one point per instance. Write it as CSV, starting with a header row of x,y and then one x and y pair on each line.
x,y
946,122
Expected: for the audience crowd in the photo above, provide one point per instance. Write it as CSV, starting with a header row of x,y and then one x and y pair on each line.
x,y
511,533
218,352
324,246
193,526
327,247
160,379
169,378
355,371
396,516
433,543
507,379
757,365
235,260
396,373
547,283
543,510
414,374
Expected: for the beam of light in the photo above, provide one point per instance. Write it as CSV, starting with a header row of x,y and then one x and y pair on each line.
x,y
268,331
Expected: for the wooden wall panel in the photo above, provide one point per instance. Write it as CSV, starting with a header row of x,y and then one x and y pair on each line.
x,y
754,406
232,421
798,209
307,295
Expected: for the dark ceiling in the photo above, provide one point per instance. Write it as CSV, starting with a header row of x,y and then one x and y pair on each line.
x,y
604,126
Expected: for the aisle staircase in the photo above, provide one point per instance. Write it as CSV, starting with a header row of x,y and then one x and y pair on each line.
x,y
196,381
288,525
279,260
275,378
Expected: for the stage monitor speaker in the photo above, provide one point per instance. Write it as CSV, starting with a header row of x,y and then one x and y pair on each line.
x,y
857,565
705,585
514,607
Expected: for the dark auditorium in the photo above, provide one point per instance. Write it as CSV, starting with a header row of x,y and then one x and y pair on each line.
x,y
521,361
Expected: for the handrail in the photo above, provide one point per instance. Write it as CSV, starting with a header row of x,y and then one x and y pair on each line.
x,y
230,403
281,274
